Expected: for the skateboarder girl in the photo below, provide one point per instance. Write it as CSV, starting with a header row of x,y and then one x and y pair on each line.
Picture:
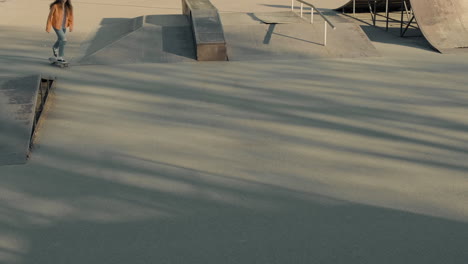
x,y
60,18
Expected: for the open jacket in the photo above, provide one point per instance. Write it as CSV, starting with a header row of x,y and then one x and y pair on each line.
x,y
55,18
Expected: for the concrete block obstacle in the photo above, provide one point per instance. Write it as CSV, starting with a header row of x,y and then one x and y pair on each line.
x,y
207,30
23,101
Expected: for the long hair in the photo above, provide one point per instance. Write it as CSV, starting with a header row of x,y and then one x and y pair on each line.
x,y
68,4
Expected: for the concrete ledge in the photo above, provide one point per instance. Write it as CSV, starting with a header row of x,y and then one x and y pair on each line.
x,y
207,30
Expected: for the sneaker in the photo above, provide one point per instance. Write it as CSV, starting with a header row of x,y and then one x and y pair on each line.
x,y
55,51
61,60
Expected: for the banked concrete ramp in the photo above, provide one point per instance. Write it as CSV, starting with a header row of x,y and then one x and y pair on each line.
x,y
145,39
22,101
444,23
257,36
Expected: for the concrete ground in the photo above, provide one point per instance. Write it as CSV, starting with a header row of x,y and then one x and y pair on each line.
x,y
291,161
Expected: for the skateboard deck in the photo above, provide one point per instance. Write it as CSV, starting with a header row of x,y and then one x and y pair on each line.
x,y
54,61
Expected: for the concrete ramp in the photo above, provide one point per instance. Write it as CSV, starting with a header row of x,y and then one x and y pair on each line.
x,y
379,5
250,39
328,4
148,39
21,103
112,30
444,23
278,17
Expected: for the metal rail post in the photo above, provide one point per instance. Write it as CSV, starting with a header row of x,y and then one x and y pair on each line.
x,y
354,8
372,11
325,35
312,8
375,12
311,15
401,22
387,13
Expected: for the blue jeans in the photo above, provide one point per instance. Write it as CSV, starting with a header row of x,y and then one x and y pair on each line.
x,y
61,40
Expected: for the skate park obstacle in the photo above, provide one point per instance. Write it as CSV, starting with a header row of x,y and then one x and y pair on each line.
x,y
207,30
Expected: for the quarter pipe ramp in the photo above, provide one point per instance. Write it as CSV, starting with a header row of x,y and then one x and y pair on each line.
x,y
444,23
359,4
330,4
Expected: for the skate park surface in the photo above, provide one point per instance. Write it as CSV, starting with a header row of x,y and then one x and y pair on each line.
x,y
325,160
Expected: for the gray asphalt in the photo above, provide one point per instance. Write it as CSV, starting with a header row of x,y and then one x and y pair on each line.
x,y
351,160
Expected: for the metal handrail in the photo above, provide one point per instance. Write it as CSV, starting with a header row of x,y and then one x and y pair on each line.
x,y
312,8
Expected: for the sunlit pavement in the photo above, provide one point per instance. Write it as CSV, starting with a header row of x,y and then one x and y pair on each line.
x,y
292,161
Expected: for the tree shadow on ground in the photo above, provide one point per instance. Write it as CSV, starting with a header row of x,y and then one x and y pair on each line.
x,y
158,212
278,162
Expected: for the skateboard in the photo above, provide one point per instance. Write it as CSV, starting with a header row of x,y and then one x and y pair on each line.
x,y
53,61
